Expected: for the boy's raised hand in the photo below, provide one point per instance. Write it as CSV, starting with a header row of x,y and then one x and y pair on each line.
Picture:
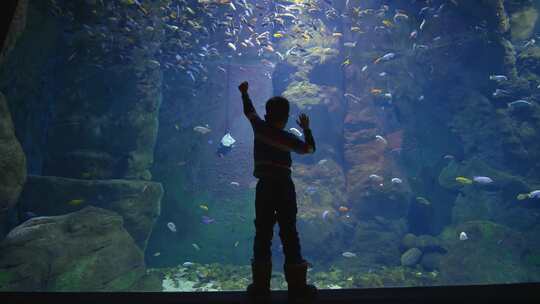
x,y
243,87
303,121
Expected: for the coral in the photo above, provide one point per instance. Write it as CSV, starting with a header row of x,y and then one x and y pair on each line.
x,y
522,23
491,254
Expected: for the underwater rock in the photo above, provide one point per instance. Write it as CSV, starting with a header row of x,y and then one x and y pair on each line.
x,y
431,261
87,250
17,26
369,236
491,254
411,257
138,202
12,160
408,241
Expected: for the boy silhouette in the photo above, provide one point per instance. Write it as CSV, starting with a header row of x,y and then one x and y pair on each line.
x,y
275,198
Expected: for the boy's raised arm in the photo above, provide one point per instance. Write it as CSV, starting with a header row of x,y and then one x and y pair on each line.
x,y
249,109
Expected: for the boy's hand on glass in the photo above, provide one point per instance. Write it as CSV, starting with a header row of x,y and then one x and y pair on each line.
x,y
243,87
303,121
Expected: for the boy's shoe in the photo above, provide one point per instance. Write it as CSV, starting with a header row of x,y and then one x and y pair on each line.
x,y
259,290
298,291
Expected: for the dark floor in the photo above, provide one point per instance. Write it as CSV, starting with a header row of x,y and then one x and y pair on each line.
x,y
510,293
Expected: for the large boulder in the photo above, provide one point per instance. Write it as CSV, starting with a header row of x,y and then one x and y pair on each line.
x,y
88,250
138,202
17,26
12,160
411,257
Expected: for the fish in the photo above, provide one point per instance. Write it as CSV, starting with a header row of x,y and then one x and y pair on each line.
x,y
498,78
348,254
464,180
325,214
482,180
381,139
387,23
196,246
521,103
76,202
296,132
207,220
353,98
232,46
171,226
203,207
385,57
322,161
423,200
522,196
376,178
376,91
534,194
413,34
396,180
188,264
346,62
349,44
311,190
499,93
278,35
201,129
337,35
156,254
529,43
343,209
236,244
422,24
399,16
235,184
364,68
227,140
463,236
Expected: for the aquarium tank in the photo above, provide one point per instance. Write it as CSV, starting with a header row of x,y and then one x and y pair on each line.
x,y
126,160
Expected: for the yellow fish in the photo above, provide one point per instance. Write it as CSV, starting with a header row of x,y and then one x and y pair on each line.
x,y
463,180
76,202
346,62
278,35
522,196
387,23
204,207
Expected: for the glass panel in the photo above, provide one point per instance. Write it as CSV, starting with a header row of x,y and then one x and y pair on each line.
x,y
129,162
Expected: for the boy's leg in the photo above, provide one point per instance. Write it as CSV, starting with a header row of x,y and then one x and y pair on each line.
x,y
286,217
261,264
265,218
295,266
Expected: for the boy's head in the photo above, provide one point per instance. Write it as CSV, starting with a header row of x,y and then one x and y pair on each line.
x,y
277,111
